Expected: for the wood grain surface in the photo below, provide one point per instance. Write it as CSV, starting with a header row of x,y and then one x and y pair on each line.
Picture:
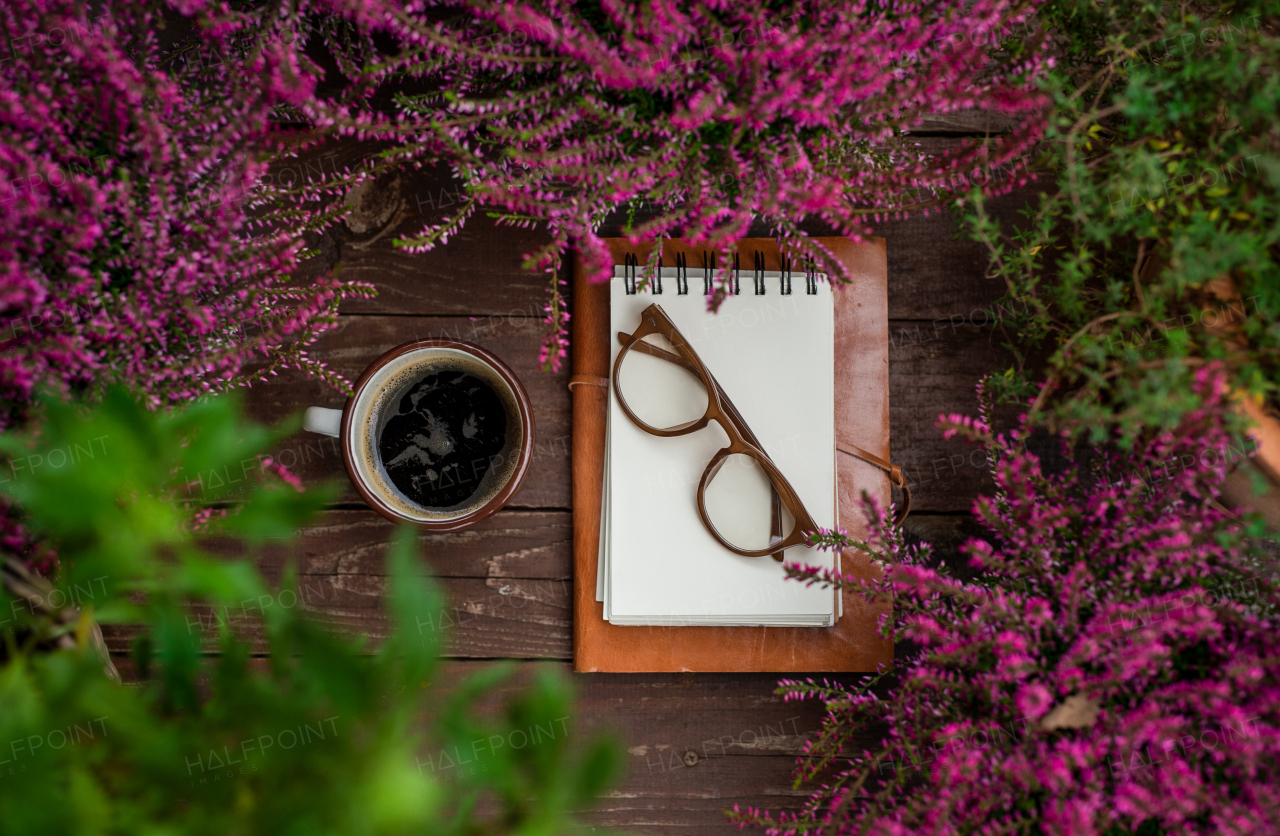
x,y
693,744
696,743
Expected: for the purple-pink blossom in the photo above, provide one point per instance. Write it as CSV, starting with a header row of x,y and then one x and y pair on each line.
x,y
1114,665
708,116
137,242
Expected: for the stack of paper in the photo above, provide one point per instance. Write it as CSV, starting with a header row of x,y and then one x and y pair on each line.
x,y
773,355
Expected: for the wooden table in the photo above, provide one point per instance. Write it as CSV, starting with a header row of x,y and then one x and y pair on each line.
x,y
697,743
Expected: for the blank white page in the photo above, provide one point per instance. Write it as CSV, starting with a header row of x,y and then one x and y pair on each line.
x,y
774,357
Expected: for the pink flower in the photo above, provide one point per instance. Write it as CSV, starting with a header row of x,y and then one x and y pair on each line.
x,y
1164,695
1034,701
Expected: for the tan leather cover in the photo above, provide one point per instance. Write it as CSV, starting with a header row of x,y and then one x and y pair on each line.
x,y
862,419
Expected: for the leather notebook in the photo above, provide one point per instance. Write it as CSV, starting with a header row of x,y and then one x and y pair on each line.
x,y
861,421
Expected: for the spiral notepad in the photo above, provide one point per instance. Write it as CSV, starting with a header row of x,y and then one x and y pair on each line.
x,y
771,347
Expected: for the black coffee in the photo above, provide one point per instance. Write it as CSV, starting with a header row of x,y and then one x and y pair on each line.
x,y
446,434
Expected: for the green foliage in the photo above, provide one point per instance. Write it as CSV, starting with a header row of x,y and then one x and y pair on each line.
x,y
1155,252
324,736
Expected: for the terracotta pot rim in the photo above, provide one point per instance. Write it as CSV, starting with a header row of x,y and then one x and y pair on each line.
x,y
503,496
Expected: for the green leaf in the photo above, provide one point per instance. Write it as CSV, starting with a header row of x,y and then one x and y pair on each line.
x,y
415,602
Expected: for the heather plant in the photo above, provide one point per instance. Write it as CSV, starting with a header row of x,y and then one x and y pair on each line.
x,y
327,736
1110,666
156,237
137,241
1154,250
707,115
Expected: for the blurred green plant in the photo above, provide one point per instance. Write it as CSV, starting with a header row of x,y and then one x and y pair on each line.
x,y
324,736
1155,250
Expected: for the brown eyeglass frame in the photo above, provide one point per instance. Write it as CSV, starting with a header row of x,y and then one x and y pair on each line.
x,y
653,320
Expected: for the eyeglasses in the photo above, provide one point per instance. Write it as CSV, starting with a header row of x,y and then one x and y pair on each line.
x,y
665,396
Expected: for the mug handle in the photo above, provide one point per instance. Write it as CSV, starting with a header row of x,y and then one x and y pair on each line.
x,y
323,421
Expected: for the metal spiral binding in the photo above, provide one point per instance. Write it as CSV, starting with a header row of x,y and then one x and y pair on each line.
x,y
655,286
630,263
631,269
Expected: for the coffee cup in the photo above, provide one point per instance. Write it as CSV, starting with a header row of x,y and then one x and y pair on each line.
x,y
437,434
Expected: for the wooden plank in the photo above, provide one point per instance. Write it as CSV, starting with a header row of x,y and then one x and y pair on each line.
x,y
694,744
510,544
744,737
357,340
933,369
744,740
508,581
484,619
507,585
695,800
946,533
478,273
935,273
971,122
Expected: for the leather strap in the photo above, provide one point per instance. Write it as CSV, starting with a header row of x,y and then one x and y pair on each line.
x,y
895,475
588,380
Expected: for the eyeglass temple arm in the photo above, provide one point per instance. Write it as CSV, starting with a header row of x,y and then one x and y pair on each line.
x,y
895,476
775,516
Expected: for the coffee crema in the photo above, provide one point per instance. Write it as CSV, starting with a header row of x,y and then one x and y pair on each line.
x,y
441,439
